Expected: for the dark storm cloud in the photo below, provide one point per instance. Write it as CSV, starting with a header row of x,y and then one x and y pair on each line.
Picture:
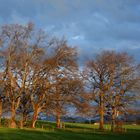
x,y
92,25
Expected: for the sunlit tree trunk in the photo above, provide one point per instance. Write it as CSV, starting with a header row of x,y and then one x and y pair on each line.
x,y
58,119
34,117
113,119
101,111
0,111
13,115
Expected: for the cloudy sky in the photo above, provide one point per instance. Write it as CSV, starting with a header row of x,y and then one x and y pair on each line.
x,y
92,25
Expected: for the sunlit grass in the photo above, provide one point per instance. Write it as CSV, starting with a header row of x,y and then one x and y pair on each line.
x,y
72,131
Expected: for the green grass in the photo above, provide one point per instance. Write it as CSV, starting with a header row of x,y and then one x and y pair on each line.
x,y
73,131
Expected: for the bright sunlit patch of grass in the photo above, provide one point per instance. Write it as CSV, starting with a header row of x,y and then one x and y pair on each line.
x,y
73,131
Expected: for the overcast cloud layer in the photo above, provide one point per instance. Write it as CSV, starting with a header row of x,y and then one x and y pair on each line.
x,y
92,25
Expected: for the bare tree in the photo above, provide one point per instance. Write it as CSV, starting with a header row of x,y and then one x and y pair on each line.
x,y
122,85
97,77
22,49
113,79
13,37
62,76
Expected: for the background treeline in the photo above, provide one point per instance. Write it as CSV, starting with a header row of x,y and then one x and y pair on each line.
x,y
39,73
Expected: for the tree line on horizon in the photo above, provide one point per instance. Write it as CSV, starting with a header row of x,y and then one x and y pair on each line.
x,y
39,73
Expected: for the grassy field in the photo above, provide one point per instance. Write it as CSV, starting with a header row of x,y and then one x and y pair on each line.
x,y
73,131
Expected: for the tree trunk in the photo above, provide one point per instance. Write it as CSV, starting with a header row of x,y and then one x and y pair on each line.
x,y
21,121
25,118
58,119
13,115
0,111
34,118
101,110
113,119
